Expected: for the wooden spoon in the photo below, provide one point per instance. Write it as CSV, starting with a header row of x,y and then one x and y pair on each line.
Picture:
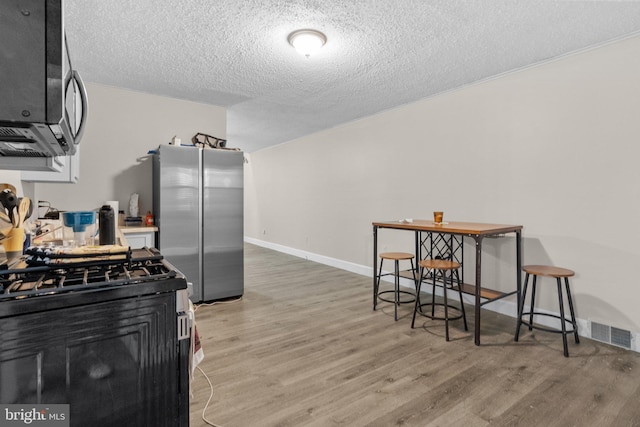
x,y
23,210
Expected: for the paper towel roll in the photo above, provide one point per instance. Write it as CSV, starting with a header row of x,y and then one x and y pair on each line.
x,y
133,204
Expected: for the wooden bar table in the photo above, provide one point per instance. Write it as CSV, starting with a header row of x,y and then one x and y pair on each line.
x,y
445,240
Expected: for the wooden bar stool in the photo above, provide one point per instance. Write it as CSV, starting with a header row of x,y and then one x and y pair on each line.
x,y
377,294
558,273
443,266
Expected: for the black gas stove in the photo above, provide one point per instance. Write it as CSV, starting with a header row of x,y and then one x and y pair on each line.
x,y
76,326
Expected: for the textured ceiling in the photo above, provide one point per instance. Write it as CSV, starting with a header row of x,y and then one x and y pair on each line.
x,y
379,53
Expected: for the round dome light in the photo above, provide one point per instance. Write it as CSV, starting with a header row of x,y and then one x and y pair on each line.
x,y
307,42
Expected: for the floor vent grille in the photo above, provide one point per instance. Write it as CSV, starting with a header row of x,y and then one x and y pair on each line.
x,y
600,332
620,337
611,335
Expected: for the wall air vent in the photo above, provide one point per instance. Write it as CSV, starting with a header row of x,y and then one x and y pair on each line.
x,y
600,332
611,335
620,337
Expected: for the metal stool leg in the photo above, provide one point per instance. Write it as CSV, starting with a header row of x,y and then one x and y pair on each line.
x,y
396,282
533,299
464,316
417,306
377,287
562,321
521,308
415,280
573,315
433,294
446,304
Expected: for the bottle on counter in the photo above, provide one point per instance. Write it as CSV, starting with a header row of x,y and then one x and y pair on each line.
x,y
107,225
148,220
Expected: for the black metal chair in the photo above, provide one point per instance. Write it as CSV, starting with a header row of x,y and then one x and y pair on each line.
x,y
442,266
381,295
558,273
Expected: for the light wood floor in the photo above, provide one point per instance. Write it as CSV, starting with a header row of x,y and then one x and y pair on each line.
x,y
305,348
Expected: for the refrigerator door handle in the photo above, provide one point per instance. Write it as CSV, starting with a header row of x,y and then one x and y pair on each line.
x,y
201,185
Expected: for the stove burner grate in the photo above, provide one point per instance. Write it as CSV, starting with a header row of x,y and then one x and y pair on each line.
x,y
46,280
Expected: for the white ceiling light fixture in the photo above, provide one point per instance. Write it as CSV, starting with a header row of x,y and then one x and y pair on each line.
x,y
307,42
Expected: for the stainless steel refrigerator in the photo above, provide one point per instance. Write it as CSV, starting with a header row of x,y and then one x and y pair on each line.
x,y
198,205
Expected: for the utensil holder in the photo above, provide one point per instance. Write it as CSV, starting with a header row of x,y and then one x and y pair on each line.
x,y
13,243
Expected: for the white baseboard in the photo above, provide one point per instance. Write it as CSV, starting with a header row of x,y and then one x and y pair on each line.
x,y
505,307
333,262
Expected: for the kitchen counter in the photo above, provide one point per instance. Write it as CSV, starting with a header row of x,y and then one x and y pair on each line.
x,y
139,236
127,229
135,236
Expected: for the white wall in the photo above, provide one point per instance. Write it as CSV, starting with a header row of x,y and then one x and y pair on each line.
x,y
13,178
554,148
122,127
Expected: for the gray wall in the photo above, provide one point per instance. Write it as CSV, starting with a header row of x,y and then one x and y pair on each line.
x,y
553,147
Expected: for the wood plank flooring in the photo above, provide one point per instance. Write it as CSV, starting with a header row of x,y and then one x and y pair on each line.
x,y
304,348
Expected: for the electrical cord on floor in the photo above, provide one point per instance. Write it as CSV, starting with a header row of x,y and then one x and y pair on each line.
x,y
207,304
195,308
208,401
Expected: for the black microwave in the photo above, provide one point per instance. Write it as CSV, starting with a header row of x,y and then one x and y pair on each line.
x,y
44,107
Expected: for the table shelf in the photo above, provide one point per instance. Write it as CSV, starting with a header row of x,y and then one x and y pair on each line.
x,y
485,293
